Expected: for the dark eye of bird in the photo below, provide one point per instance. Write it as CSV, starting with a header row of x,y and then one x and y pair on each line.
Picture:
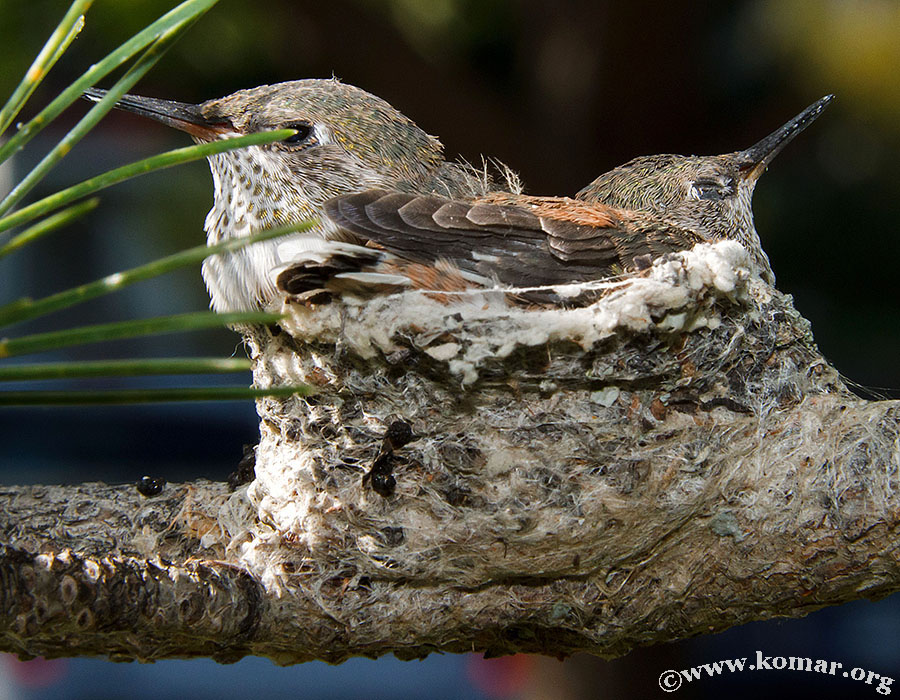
x,y
711,189
304,131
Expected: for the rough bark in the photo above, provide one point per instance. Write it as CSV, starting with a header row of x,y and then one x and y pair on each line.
x,y
673,460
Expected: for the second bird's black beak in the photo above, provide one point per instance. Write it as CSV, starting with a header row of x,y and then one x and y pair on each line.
x,y
755,159
179,115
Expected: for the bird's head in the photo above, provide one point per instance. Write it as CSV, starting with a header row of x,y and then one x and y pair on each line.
x,y
711,195
347,140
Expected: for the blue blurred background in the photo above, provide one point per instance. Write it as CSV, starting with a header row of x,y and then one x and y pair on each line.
x,y
561,92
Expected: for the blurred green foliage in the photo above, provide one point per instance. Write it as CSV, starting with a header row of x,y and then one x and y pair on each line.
x,y
852,46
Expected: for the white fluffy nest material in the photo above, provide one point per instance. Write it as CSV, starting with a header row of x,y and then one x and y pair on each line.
x,y
466,329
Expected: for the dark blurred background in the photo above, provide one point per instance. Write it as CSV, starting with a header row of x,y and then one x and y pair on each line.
x,y
560,91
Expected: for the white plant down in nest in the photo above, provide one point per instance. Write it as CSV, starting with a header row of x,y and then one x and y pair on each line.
x,y
484,325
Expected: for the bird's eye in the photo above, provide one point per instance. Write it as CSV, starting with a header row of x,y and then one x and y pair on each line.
x,y
304,131
710,189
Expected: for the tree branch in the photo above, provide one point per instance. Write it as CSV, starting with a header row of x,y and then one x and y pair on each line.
x,y
674,459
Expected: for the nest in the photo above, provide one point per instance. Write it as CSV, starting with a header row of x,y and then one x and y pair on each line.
x,y
465,440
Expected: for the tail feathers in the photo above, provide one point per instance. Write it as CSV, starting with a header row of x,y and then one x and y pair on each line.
x,y
338,268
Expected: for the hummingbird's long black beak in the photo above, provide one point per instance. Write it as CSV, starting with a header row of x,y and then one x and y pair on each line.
x,y
755,159
179,115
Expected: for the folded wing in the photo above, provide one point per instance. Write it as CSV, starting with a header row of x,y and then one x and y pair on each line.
x,y
512,239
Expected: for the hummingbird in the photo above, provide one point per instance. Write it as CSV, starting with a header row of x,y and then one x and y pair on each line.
x,y
710,195
347,140
620,222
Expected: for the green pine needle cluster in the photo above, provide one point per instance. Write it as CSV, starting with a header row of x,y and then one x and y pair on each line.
x,y
50,214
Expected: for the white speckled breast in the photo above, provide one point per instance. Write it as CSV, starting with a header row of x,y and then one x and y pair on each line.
x,y
251,194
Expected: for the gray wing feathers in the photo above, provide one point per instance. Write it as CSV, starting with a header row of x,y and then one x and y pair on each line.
x,y
509,243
